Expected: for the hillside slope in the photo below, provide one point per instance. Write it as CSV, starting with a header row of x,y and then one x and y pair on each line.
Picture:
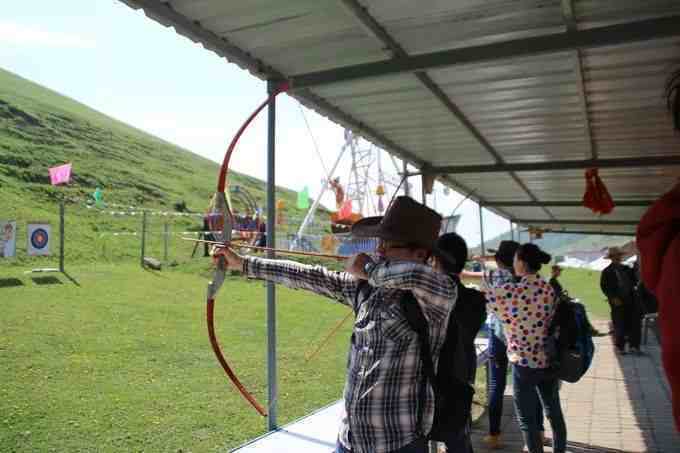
x,y
40,128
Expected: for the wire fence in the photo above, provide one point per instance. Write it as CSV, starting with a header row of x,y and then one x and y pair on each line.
x,y
117,233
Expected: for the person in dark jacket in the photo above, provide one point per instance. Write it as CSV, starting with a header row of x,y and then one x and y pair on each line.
x,y
618,285
450,255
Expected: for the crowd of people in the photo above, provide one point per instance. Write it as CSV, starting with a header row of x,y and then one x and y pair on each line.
x,y
393,402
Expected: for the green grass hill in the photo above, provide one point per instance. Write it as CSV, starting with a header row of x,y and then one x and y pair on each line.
x,y
40,128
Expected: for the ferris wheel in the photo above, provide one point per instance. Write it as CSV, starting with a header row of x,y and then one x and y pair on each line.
x,y
363,194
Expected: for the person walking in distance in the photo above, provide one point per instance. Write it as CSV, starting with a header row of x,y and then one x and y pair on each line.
x,y
618,285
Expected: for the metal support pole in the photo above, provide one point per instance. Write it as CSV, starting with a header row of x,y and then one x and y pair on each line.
x,y
272,390
143,251
481,231
166,233
512,232
61,236
407,191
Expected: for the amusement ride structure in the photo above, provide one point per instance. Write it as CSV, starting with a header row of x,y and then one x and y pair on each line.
x,y
363,195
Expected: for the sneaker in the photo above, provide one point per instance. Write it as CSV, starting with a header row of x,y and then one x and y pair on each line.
x,y
492,441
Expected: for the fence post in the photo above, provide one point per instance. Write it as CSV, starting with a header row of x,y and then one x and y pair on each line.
x,y
61,236
165,241
143,251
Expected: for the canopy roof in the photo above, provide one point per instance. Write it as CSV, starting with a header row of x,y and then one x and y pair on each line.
x,y
508,99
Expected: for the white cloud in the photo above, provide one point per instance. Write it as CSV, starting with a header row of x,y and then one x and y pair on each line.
x,y
27,35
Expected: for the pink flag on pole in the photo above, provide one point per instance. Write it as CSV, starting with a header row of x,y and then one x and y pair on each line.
x,y
60,174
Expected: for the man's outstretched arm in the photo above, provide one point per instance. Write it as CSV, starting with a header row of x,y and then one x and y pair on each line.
x,y
340,286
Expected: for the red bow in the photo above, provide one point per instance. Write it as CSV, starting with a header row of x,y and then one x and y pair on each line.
x,y
221,221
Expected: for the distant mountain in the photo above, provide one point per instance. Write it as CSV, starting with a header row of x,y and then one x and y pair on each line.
x,y
558,244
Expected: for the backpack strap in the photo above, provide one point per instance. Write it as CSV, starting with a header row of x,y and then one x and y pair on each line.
x,y
362,288
416,320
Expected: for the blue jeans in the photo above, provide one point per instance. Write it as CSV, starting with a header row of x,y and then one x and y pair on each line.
x,y
418,446
498,371
526,382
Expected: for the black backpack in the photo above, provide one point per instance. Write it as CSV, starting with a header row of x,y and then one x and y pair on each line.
x,y
453,383
570,345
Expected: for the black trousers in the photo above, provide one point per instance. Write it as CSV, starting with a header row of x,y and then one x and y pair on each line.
x,y
627,320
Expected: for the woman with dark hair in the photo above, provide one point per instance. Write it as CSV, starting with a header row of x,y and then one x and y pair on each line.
x,y
526,309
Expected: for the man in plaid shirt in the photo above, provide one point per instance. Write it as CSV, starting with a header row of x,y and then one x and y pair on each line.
x,y
382,409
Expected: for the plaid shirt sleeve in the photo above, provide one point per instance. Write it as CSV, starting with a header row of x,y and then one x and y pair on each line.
x,y
436,292
339,286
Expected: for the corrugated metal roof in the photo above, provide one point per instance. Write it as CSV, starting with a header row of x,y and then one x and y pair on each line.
x,y
576,103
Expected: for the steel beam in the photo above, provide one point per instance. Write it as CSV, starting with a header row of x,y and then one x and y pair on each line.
x,y
643,30
375,29
561,204
163,13
314,102
539,222
599,233
572,27
272,379
166,15
482,245
649,161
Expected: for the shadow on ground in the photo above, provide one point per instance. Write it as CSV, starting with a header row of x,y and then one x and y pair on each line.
x,y
10,282
46,281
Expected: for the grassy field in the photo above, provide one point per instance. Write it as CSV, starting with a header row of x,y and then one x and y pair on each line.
x,y
120,361
585,285
114,358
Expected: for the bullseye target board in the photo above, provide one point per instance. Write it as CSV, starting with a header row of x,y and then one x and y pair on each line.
x,y
38,239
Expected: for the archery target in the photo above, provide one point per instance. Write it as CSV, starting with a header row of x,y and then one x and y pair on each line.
x,y
38,239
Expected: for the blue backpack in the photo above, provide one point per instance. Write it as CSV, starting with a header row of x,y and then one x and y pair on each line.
x,y
570,343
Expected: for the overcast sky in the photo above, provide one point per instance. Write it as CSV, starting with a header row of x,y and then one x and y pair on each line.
x,y
116,60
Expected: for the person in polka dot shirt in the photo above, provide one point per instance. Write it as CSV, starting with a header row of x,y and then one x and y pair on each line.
x,y
526,309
